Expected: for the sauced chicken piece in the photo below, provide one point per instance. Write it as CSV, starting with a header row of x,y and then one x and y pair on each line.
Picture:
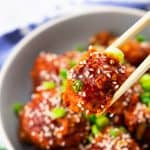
x,y
113,139
102,38
126,102
47,125
92,83
135,52
135,115
137,120
47,66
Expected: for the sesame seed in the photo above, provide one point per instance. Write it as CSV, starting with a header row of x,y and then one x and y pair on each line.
x,y
108,75
31,123
111,115
80,76
98,71
102,106
47,134
33,133
116,87
111,61
50,142
63,143
86,73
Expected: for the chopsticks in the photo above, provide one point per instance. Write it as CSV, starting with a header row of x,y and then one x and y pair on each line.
x,y
143,67
132,31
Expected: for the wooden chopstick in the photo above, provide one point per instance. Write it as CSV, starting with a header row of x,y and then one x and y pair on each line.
x,y
143,67
132,31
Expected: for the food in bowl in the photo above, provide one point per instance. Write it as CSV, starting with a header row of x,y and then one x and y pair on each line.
x,y
53,118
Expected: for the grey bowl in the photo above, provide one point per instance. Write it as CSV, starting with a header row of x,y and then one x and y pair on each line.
x,y
57,36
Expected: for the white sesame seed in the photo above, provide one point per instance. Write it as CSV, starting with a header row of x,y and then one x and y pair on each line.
x,y
98,71
51,142
80,76
86,73
31,123
33,133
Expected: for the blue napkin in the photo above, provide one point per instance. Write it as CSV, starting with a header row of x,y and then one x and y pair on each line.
x,y
10,39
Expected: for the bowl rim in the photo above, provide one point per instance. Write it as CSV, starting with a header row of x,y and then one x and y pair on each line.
x,y
18,48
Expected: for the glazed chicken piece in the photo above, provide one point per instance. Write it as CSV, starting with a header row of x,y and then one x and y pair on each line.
x,y
135,52
137,120
126,102
113,138
47,125
93,81
102,38
131,112
47,66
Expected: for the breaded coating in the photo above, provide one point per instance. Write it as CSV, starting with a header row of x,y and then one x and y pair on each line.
x,y
135,52
113,139
93,81
47,66
38,127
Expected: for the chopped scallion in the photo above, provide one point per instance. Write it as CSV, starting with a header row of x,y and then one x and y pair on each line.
x,y
80,48
113,132
145,98
77,85
122,129
102,121
116,53
90,138
58,112
140,38
17,107
63,86
145,82
63,73
72,63
95,130
49,85
92,118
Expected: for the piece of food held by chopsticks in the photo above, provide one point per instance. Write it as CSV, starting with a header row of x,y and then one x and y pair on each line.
x,y
93,81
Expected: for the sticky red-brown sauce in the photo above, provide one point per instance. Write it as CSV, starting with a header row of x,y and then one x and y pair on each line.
x,y
101,75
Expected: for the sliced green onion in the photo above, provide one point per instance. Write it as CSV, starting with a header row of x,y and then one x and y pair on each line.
x,y
48,85
102,121
72,63
90,138
17,107
63,86
145,98
58,112
77,85
116,53
140,38
80,48
63,74
122,129
145,82
114,132
92,118
95,130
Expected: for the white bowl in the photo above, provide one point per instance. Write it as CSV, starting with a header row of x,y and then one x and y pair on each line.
x,y
55,36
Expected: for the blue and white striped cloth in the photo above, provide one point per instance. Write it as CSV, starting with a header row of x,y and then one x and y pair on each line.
x,y
11,34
